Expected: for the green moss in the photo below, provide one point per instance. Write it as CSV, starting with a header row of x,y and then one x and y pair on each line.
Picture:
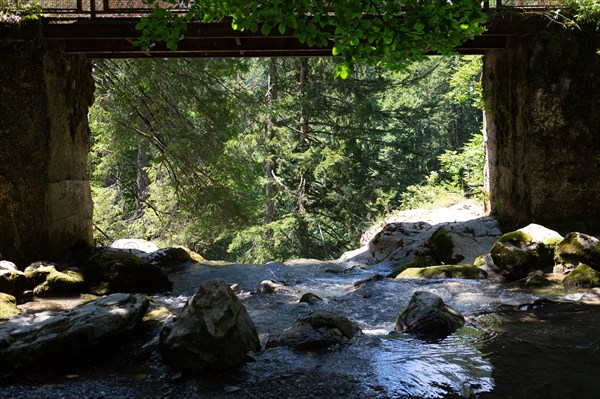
x,y
444,271
419,261
60,283
583,276
8,306
516,237
480,261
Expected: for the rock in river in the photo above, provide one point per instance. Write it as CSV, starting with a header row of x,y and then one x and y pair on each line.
x,y
37,340
315,331
427,315
213,332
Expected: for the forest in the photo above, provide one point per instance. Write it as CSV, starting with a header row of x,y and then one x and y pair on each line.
x,y
254,160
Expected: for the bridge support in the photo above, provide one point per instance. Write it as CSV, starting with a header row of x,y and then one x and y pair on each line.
x,y
45,200
542,99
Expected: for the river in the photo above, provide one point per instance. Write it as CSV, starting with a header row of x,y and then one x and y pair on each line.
x,y
505,350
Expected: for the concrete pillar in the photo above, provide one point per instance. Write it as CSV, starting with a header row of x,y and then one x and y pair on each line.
x,y
45,199
542,127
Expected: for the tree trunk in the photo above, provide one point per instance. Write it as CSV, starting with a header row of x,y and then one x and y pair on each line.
x,y
305,176
271,164
142,179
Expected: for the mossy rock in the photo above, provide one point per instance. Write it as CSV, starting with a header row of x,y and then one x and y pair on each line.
x,y
579,248
37,273
520,252
8,306
583,276
536,279
63,283
444,271
109,271
12,282
419,261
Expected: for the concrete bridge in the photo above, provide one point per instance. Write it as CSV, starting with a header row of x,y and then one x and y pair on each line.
x,y
542,117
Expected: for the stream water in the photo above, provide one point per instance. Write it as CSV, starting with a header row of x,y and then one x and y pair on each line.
x,y
546,350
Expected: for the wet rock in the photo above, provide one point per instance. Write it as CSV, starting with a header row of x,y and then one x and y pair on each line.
x,y
268,287
110,270
578,248
584,276
213,332
310,298
38,340
8,306
444,271
427,315
135,245
377,277
12,280
315,331
525,250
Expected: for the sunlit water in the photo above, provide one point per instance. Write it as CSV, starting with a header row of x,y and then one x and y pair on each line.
x,y
382,363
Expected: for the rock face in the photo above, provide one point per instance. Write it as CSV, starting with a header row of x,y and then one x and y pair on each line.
x,y
520,252
110,270
45,198
26,342
450,235
315,331
427,315
213,332
541,125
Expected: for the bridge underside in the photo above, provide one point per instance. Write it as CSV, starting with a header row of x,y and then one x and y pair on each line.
x,y
114,38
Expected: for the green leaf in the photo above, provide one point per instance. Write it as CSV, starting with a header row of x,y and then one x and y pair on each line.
x,y
282,28
335,50
464,26
265,29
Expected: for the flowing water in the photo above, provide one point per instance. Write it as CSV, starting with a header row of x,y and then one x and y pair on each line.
x,y
545,350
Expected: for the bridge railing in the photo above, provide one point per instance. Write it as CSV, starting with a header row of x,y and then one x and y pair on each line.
x,y
132,8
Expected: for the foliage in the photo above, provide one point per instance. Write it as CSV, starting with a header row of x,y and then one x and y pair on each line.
x,y
386,33
586,11
462,176
181,148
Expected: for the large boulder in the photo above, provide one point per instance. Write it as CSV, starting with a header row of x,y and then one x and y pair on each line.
x,y
315,331
428,316
8,306
449,235
40,339
578,248
213,332
12,280
520,252
110,270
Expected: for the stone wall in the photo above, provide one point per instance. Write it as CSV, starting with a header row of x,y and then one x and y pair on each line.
x,y
45,199
542,98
